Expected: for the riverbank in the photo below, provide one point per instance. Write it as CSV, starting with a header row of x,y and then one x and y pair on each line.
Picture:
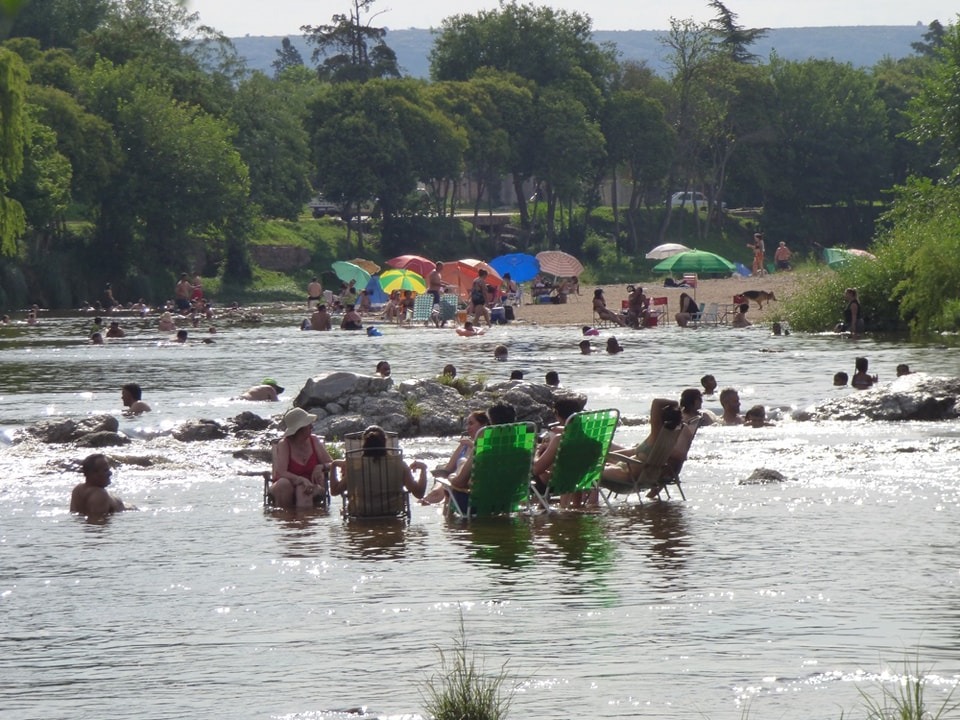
x,y
579,309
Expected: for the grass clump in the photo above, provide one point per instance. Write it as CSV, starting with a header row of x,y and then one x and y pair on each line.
x,y
906,699
463,690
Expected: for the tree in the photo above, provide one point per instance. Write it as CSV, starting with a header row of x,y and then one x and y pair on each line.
x,y
638,137
287,56
733,39
13,140
58,23
273,143
352,50
935,112
933,40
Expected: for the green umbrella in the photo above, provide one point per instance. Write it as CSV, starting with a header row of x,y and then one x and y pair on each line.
x,y
347,271
835,257
695,261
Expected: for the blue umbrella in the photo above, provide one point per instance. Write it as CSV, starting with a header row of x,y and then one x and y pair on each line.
x,y
522,267
376,293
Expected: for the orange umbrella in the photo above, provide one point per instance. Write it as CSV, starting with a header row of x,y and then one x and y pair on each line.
x,y
459,277
493,277
369,265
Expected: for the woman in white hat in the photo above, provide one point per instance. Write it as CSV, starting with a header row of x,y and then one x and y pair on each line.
x,y
300,462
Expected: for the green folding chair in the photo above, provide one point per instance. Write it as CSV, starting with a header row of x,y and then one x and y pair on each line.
x,y
500,478
652,472
583,450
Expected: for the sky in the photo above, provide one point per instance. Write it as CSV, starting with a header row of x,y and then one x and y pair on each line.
x,y
236,18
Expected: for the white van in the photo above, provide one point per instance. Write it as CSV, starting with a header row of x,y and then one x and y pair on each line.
x,y
698,200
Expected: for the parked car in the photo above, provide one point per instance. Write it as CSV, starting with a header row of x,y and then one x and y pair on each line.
x,y
320,206
698,200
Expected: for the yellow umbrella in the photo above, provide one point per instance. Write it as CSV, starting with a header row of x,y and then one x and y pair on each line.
x,y
400,279
369,265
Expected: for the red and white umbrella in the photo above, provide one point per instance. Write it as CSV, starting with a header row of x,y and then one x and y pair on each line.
x,y
559,263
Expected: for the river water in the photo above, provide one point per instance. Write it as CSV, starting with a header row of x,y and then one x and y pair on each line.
x,y
769,601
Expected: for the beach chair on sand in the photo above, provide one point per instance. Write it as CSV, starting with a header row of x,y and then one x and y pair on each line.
x,y
647,474
375,486
583,449
500,478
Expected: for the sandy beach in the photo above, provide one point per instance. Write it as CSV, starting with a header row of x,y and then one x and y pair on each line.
x,y
579,310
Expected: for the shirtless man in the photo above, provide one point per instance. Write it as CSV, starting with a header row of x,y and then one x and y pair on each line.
x,y
267,391
90,497
320,319
435,284
314,291
730,402
182,293
130,394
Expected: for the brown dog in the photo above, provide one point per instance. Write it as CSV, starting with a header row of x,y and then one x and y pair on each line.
x,y
759,297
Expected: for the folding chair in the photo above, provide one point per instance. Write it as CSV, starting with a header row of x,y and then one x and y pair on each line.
x,y
659,308
652,472
375,486
583,449
500,477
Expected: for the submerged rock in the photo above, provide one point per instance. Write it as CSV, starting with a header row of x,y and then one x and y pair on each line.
x,y
102,438
762,476
346,402
66,430
917,396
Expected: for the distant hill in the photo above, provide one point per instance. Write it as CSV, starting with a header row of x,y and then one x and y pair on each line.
x,y
861,46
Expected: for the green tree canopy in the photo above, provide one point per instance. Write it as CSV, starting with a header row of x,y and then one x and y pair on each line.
x,y
351,50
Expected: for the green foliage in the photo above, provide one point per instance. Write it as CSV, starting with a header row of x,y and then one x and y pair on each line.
x,y
352,50
461,385
463,690
907,700
412,409
13,140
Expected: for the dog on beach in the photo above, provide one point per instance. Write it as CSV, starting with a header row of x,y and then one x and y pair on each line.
x,y
759,297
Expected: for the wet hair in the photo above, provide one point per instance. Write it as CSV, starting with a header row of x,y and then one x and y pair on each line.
x,y
565,407
757,411
383,364
688,397
516,375
613,345
134,389
552,378
181,334
671,416
725,393
903,369
861,364
840,378
450,370
374,441
584,343
89,463
500,351
502,413
708,380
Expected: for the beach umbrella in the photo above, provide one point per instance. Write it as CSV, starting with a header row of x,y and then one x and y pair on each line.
x,y
376,293
402,279
369,265
662,252
493,277
695,261
521,266
559,263
347,271
459,276
836,257
419,264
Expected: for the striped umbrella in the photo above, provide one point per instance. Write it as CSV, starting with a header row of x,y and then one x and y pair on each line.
x,y
399,279
559,263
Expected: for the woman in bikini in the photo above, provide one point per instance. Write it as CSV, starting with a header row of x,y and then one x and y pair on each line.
x,y
300,462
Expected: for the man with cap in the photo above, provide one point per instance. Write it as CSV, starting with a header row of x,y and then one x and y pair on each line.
x,y
267,391
300,463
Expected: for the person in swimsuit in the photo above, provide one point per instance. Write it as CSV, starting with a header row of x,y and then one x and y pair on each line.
x,y
351,319
852,315
478,298
476,421
663,414
374,444
314,291
300,463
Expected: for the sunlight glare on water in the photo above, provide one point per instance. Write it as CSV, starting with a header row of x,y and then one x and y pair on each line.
x,y
780,600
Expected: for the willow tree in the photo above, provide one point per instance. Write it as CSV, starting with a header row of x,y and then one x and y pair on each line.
x,y
13,139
